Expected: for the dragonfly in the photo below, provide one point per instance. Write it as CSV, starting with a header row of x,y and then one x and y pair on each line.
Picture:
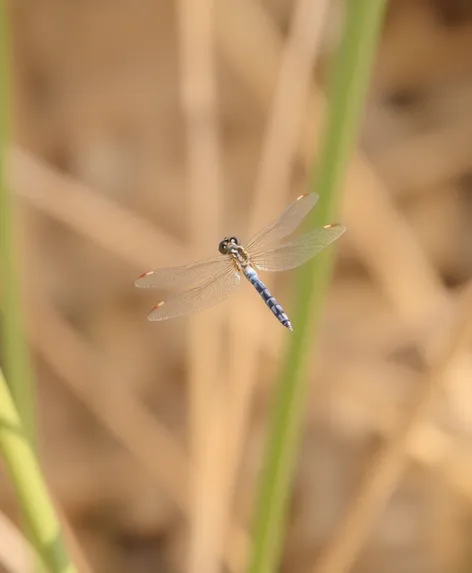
x,y
209,282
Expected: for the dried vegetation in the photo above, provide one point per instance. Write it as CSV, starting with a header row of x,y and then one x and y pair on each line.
x,y
99,169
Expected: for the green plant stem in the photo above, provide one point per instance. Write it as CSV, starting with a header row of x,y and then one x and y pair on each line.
x,y
351,70
17,360
31,490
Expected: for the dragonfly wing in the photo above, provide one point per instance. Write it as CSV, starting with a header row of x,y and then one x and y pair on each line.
x,y
184,277
298,251
206,295
285,225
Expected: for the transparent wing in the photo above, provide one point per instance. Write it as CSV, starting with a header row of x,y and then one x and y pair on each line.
x,y
293,215
206,295
298,251
184,277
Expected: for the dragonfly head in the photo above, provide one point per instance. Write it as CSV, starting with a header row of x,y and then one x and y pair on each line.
x,y
228,245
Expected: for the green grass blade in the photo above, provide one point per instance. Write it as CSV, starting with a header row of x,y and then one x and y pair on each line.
x,y
15,350
351,70
33,498
17,420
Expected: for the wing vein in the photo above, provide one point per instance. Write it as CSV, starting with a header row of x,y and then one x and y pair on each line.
x,y
294,253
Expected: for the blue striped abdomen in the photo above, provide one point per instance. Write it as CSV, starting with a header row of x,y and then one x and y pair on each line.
x,y
270,301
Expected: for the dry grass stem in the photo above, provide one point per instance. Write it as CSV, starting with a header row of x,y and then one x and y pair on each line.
x,y
118,409
386,469
16,555
207,392
75,548
428,445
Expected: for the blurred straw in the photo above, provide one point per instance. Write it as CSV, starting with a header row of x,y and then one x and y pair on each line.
x,y
33,497
385,471
428,445
271,195
16,555
351,73
198,82
116,406
17,360
407,165
74,546
89,213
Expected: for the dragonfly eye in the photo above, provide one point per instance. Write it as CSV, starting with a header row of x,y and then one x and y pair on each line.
x,y
235,240
223,247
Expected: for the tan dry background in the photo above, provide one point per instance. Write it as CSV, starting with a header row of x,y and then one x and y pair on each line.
x,y
97,102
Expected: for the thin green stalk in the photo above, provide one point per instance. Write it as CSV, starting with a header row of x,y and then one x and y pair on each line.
x,y
33,497
351,70
16,356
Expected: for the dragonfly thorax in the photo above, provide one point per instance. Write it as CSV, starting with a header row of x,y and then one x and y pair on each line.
x,y
240,257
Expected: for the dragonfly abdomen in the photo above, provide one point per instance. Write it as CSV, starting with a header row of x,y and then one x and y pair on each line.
x,y
267,297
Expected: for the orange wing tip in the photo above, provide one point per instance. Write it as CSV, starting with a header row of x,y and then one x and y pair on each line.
x,y
301,196
334,226
153,310
137,282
